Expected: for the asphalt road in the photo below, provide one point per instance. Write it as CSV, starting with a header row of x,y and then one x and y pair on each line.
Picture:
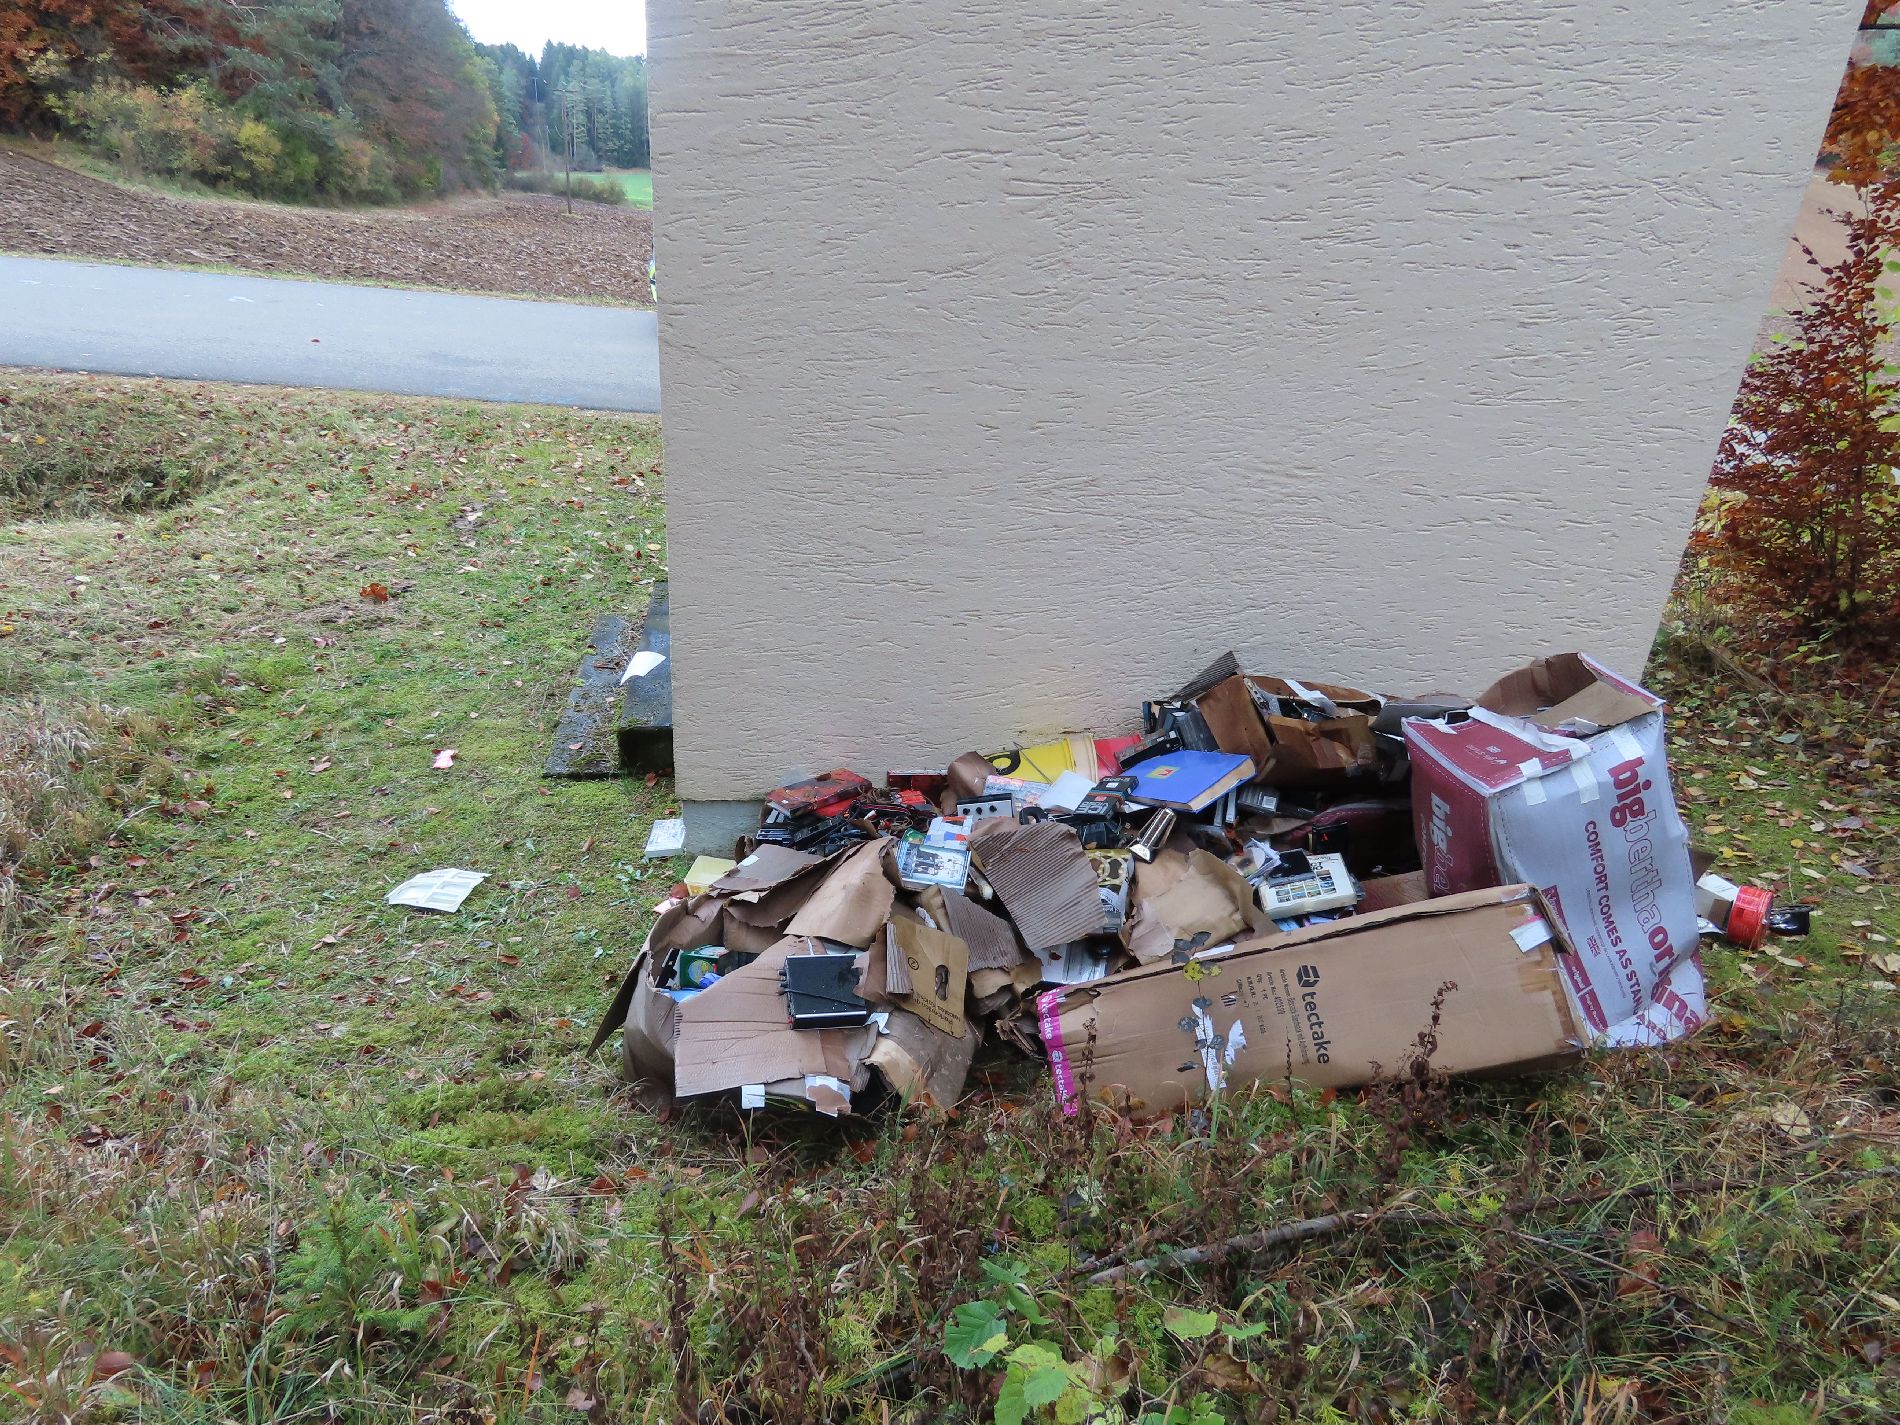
x,y
201,326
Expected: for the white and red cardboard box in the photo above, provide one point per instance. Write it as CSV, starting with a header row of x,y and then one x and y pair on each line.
x,y
1559,780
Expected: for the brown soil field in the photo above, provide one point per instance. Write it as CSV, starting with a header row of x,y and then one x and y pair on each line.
x,y
515,244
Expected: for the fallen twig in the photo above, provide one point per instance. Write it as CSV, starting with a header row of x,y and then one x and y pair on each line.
x,y
1307,1229
1247,1243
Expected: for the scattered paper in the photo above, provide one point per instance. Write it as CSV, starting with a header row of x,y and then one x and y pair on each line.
x,y
642,663
442,890
668,838
444,759
1066,792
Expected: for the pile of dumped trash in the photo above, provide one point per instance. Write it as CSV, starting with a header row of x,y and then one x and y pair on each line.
x,y
1273,877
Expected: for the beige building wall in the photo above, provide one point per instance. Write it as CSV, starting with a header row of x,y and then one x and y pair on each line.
x,y
1017,362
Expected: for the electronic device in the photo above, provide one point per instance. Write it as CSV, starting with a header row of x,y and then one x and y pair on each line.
x,y
974,809
821,991
829,795
1304,884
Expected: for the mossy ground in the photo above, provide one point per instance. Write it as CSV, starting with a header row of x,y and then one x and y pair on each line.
x,y
272,1150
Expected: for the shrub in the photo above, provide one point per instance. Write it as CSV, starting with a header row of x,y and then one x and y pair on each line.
x,y
260,151
591,190
1804,526
177,134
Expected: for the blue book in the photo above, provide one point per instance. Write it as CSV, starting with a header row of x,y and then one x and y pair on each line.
x,y
1190,781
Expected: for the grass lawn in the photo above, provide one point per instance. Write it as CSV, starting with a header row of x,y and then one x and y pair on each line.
x,y
637,181
273,1150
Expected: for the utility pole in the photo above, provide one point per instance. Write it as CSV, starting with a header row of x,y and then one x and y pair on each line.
x,y
567,144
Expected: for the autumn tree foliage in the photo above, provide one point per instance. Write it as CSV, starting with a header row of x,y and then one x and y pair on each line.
x,y
46,43
1805,526
1865,124
309,99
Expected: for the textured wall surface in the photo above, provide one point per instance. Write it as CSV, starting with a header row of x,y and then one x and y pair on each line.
x,y
1015,365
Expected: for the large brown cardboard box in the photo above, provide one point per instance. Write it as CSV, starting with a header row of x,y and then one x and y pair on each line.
x,y
1334,1004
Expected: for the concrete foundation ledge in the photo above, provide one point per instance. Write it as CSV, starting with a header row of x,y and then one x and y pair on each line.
x,y
712,827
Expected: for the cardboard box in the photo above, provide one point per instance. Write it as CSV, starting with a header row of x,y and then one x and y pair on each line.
x,y
1334,1005
1559,780
1291,751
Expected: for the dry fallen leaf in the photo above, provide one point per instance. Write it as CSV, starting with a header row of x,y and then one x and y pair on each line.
x,y
112,1363
1792,1120
375,593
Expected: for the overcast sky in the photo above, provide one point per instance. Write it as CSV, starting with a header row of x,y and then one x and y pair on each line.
x,y
616,25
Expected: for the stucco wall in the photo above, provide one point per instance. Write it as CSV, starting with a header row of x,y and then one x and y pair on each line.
x,y
1015,365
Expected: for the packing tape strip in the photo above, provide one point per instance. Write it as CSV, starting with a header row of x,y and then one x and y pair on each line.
x,y
1533,791
1586,781
1531,934
1626,744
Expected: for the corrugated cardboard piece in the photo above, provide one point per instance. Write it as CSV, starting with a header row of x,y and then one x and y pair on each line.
x,y
1333,1004
936,972
992,940
1187,903
854,901
1045,878
735,1033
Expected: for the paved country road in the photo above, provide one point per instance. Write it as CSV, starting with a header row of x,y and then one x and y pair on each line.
x,y
201,326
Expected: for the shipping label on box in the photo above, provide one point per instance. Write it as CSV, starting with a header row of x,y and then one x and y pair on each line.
x,y
1559,780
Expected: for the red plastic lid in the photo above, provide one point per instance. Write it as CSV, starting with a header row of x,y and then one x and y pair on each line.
x,y
1748,919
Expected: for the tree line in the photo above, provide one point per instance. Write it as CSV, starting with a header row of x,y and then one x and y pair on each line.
x,y
595,99
311,100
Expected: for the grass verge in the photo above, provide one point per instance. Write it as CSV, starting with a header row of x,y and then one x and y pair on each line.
x,y
272,1150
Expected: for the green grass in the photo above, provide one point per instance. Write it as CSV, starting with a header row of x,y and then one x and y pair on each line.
x,y
637,181
272,1150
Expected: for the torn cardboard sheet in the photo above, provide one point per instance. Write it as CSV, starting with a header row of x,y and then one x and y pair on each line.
x,y
1044,877
935,971
992,941
1197,900
771,908
920,1065
1334,1005
1568,693
764,868
442,890
1289,750
734,1033
999,992
1384,892
854,900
